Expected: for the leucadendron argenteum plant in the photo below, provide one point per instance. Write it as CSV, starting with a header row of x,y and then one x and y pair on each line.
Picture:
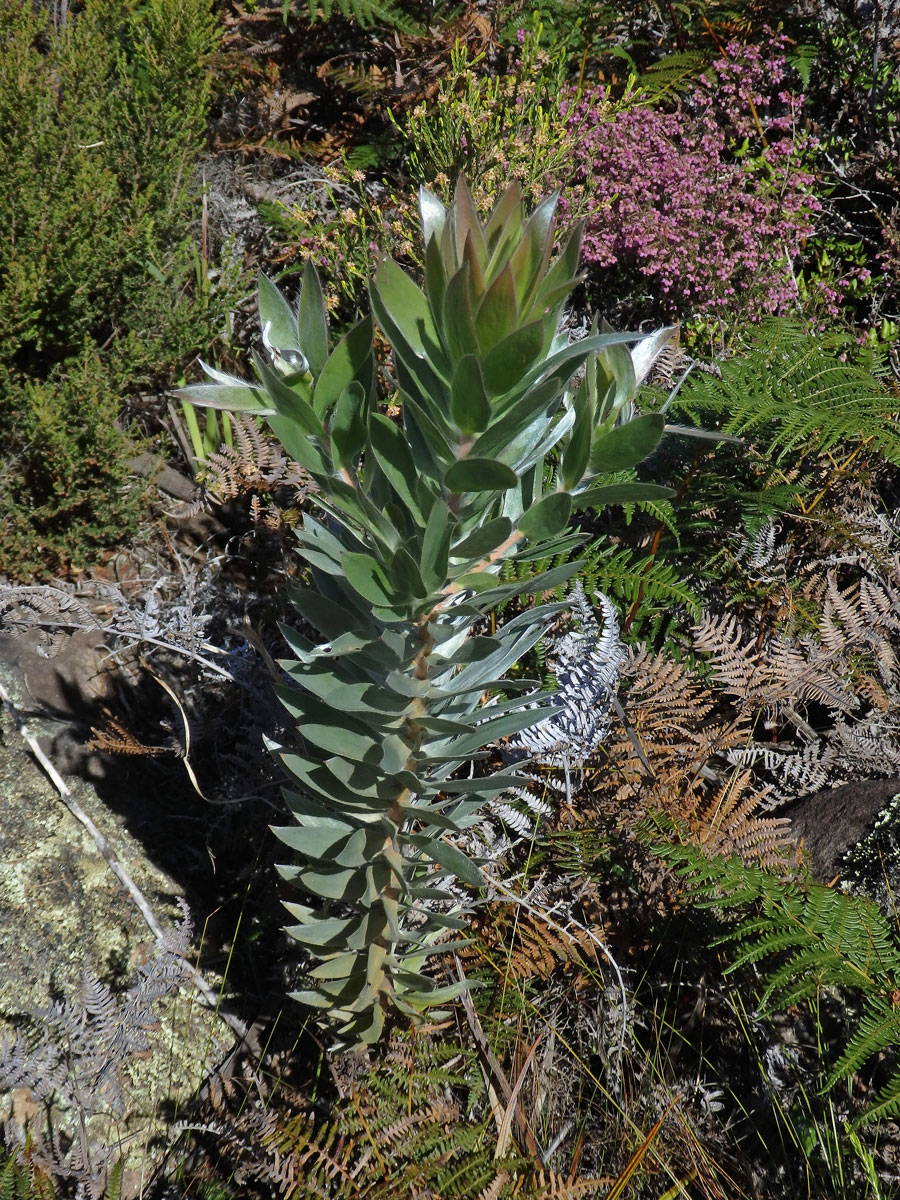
x,y
398,699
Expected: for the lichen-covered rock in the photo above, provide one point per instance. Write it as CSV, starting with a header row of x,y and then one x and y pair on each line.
x,y
70,935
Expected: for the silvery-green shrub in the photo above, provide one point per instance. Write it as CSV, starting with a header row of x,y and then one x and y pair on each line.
x,y
495,448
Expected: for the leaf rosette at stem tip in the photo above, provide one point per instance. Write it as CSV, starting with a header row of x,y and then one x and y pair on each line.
x,y
395,692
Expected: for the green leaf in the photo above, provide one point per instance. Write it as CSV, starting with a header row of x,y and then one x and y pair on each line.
x,y
328,617
547,518
613,369
505,222
564,271
368,578
536,405
348,429
498,314
334,884
577,452
627,445
395,458
325,933
433,215
343,788
231,397
439,530
467,226
506,364
298,446
276,318
290,404
545,582
351,359
329,728
459,324
447,856
312,321
435,280
532,257
469,403
484,539
319,840
476,581
621,493
395,296
479,475
473,649
405,576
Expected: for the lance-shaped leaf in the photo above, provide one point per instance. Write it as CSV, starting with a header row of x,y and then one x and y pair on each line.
x,y
479,475
484,539
620,493
289,403
447,856
508,361
236,396
395,458
459,323
627,445
498,314
439,530
469,403
352,359
366,576
276,318
577,452
433,215
348,427
547,518
403,307
312,321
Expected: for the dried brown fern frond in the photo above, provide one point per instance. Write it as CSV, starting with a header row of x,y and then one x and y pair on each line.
x,y
521,943
553,1185
114,738
779,673
255,466
727,821
671,718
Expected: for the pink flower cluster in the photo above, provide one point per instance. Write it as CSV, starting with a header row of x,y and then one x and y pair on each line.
x,y
711,202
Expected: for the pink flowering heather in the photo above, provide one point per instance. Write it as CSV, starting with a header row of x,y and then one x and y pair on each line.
x,y
695,200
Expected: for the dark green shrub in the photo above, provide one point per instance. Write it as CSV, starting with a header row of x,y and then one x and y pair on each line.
x,y
66,491
101,287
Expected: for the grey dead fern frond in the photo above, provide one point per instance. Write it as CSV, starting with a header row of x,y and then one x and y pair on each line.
x,y
585,663
176,624
86,1047
75,1059
775,676
52,610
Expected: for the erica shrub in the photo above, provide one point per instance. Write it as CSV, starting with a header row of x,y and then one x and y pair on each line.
x,y
710,204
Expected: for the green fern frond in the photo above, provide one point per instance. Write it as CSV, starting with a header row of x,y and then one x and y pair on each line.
x,y
805,939
793,390
877,1032
627,578
23,1181
364,12
672,74
886,1103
